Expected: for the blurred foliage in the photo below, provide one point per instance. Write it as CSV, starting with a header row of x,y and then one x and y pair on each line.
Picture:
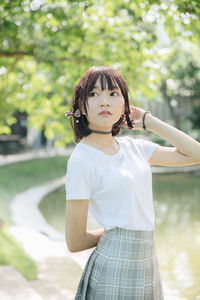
x,y
195,121
46,46
195,118
181,83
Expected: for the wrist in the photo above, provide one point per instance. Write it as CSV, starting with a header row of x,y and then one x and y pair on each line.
x,y
143,119
149,119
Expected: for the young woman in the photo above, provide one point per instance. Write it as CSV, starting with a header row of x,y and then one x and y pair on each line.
x,y
112,177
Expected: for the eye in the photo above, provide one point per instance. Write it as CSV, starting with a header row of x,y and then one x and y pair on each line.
x,y
115,93
90,95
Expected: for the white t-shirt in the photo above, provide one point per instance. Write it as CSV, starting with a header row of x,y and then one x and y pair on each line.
x,y
118,187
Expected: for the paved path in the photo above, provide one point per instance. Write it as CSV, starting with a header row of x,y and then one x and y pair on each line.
x,y
58,272
25,212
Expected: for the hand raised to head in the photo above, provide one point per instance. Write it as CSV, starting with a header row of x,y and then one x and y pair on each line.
x,y
136,115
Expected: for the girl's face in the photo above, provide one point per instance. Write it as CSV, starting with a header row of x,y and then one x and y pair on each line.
x,y
99,100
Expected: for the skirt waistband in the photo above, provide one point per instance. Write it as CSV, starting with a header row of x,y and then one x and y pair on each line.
x,y
132,234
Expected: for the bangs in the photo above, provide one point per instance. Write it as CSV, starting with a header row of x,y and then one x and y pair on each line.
x,y
107,80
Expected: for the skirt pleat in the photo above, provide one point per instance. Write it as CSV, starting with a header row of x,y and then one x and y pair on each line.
x,y
123,266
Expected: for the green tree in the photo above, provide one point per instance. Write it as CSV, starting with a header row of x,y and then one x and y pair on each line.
x,y
46,46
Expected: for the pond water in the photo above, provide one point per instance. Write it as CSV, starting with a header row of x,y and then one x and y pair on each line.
x,y
177,226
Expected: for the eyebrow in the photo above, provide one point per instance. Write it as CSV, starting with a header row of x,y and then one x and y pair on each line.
x,y
114,88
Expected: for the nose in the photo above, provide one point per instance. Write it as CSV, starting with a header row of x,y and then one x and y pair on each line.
x,y
104,99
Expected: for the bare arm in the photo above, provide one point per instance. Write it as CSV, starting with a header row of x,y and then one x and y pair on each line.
x,y
186,151
77,237
90,240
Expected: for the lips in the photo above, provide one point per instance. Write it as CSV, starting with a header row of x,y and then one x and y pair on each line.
x,y
106,112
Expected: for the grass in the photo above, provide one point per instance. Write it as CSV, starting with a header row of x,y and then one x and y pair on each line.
x,y
16,178
13,254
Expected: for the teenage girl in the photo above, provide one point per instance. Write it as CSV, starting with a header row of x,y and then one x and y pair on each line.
x,y
111,177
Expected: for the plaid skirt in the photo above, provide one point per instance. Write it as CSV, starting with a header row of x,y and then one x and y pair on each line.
x,y
123,266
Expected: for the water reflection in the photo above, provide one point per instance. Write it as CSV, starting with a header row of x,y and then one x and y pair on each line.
x,y
177,211
177,207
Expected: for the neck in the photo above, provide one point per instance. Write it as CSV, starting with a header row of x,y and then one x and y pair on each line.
x,y
100,140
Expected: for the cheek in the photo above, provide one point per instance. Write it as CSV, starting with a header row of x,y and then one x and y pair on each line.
x,y
92,110
119,104
92,107
122,101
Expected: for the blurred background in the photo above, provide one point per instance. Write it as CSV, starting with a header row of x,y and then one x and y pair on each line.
x,y
45,48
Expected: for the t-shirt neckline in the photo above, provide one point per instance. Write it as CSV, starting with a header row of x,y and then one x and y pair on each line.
x,y
107,155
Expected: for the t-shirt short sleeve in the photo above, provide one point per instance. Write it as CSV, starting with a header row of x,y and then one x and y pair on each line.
x,y
145,147
78,179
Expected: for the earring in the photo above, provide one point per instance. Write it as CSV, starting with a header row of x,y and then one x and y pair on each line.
x,y
77,114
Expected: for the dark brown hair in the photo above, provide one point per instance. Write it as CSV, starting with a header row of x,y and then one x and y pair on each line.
x,y
85,86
